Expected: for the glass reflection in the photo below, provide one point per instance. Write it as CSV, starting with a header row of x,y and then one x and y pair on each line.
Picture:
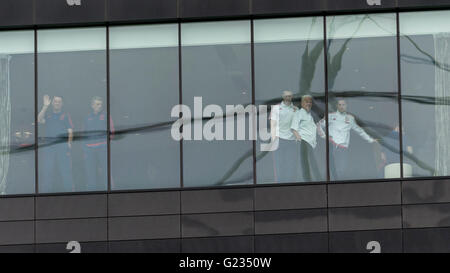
x,y
305,130
425,58
289,56
285,156
95,144
362,81
17,112
144,88
58,127
216,68
72,114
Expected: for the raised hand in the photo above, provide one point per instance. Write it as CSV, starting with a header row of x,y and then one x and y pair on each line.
x,y
47,100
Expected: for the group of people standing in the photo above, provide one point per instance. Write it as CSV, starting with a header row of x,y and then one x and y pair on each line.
x,y
56,144
294,131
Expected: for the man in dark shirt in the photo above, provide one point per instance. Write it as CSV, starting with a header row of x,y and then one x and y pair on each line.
x,y
95,150
58,135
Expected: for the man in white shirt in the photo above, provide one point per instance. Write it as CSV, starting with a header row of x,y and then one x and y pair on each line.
x,y
280,127
339,132
305,130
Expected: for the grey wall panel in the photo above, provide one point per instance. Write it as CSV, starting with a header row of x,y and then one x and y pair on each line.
x,y
86,247
16,12
291,221
366,218
241,244
16,208
221,224
145,227
364,194
146,246
59,12
71,206
146,203
426,191
290,197
123,10
63,231
292,243
12,233
433,240
356,242
223,200
418,216
287,6
210,8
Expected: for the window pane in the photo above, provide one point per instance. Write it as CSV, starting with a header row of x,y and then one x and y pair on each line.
x,y
216,68
424,43
289,57
17,112
363,101
144,88
72,110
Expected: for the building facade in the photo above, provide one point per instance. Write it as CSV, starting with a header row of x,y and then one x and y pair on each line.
x,y
144,125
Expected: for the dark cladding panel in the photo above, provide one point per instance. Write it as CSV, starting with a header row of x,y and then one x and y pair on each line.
x,y
290,197
81,230
69,11
423,3
16,12
420,216
123,10
74,206
348,5
390,241
144,203
433,240
17,249
12,233
426,191
366,218
146,246
207,8
16,209
221,224
287,6
241,244
364,194
291,221
142,228
223,200
85,247
292,243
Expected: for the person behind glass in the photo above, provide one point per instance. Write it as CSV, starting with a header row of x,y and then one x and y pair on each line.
x,y
340,124
94,145
56,151
305,130
280,127
391,143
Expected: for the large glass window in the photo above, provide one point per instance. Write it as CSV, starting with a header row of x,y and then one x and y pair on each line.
x,y
17,112
144,88
289,77
72,110
216,73
215,120
363,97
425,59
